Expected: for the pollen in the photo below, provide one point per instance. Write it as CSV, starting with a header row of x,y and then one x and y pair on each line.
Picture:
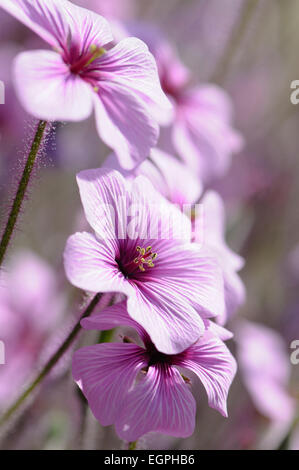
x,y
145,258
96,52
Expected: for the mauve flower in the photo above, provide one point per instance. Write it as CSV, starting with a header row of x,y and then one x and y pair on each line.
x,y
265,368
140,389
169,175
142,249
65,84
30,305
180,186
201,132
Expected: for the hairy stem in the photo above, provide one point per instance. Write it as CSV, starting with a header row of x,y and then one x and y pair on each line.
x,y
52,361
22,187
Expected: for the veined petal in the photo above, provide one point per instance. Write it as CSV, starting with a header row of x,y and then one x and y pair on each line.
x,y
203,136
215,367
161,402
131,64
61,23
160,219
179,184
87,28
214,228
47,90
90,264
104,195
218,330
192,274
105,373
46,18
172,324
112,317
235,294
124,123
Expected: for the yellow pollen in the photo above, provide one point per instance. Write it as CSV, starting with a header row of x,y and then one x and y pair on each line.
x,y
96,51
145,257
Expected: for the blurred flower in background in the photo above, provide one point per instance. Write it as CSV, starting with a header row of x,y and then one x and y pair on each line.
x,y
31,306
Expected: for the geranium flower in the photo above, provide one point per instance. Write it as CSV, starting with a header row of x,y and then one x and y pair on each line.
x,y
180,186
65,84
170,284
201,132
265,368
30,307
140,389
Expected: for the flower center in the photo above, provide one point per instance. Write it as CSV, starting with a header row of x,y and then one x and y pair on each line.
x,y
143,260
87,58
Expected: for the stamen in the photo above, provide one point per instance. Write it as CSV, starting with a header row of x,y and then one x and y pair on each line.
x,y
186,379
141,262
146,257
96,53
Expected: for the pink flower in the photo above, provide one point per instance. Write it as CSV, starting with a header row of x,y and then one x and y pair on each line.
x,y
265,368
170,284
30,305
201,132
172,178
180,186
79,75
140,389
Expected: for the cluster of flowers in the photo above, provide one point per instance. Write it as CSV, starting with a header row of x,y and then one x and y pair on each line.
x,y
173,278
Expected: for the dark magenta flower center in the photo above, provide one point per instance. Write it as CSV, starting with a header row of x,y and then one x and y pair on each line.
x,y
143,261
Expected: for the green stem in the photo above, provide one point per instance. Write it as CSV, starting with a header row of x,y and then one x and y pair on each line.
x,y
132,445
52,361
22,187
106,336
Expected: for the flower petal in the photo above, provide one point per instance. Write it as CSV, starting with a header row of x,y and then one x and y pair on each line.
x,y
90,264
61,23
203,135
214,228
105,373
192,274
172,323
47,19
131,64
218,330
177,183
124,123
214,365
161,402
104,195
47,90
158,219
111,317
230,262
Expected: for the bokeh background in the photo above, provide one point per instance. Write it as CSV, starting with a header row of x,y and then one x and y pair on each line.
x,y
250,48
